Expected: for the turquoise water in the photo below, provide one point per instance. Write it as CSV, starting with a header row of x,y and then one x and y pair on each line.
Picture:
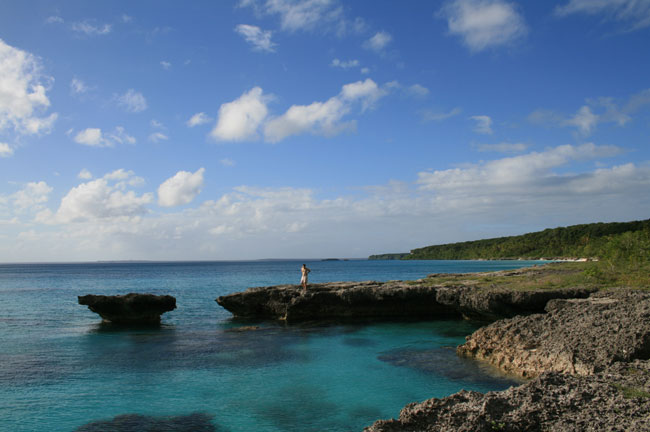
x,y
62,370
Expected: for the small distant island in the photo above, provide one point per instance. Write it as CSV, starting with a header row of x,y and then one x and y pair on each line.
x,y
568,243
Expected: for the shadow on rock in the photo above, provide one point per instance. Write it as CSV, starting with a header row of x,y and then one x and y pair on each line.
x,y
195,422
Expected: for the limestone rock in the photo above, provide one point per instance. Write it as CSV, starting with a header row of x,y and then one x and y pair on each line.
x,y
130,308
614,400
577,336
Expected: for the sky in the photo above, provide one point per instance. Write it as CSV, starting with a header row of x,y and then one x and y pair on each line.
x,y
202,130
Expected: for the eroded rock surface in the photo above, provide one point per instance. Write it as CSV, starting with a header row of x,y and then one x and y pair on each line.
x,y
617,399
577,336
337,300
387,299
130,308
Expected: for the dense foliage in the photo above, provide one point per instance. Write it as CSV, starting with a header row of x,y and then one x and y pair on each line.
x,y
628,241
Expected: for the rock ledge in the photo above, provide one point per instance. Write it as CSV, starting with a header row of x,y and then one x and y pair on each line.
x,y
130,308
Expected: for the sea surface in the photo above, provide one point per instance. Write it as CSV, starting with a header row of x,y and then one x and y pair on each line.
x,y
61,369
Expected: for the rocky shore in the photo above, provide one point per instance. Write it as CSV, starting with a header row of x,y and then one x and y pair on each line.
x,y
587,353
130,308
589,357
394,299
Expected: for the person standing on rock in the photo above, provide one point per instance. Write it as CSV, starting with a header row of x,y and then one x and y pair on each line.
x,y
303,280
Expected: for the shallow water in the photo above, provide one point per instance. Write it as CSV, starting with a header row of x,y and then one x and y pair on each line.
x,y
61,369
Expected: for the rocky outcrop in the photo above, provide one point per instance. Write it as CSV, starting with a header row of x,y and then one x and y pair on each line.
x,y
617,399
337,300
493,304
394,299
130,308
576,336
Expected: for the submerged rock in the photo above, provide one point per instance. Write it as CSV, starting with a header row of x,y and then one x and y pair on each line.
x,y
130,308
196,422
577,336
614,400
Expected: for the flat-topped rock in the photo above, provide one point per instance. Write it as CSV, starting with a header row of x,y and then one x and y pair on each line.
x,y
130,308
337,300
393,299
576,336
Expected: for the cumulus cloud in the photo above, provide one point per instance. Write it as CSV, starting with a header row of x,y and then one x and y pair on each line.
x,y
484,24
132,101
584,120
93,137
198,119
33,195
23,89
378,41
323,117
227,162
5,150
54,19
417,90
165,65
180,189
483,124
239,120
634,12
258,38
91,28
101,199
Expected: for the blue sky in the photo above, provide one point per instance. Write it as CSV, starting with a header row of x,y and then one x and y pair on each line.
x,y
253,129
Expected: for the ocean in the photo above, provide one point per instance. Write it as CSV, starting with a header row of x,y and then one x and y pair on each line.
x,y
61,369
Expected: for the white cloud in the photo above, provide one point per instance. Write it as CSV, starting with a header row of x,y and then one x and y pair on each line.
x,y
417,90
126,18
238,120
77,86
227,162
300,14
100,199
503,147
483,124
365,70
429,115
584,120
378,42
90,28
84,174
635,12
165,65
23,90
33,195
513,174
258,38
323,117
5,150
54,19
345,64
156,124
180,189
484,24
94,137
132,101
198,119
596,111
157,137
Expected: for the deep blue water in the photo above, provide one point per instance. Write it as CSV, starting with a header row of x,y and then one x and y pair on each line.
x,y
61,369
